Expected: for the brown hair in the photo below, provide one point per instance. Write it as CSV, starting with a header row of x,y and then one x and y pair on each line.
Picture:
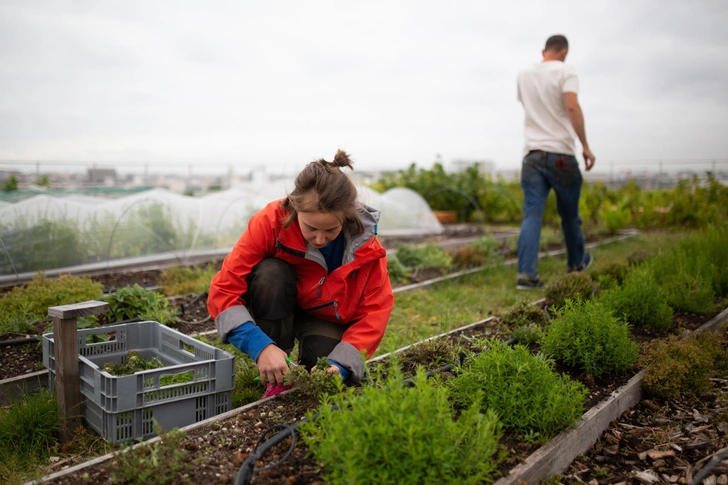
x,y
556,43
323,187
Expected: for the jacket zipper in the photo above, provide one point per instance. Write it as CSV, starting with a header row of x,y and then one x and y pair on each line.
x,y
319,307
321,282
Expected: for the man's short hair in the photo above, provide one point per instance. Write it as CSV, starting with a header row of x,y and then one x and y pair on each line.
x,y
556,43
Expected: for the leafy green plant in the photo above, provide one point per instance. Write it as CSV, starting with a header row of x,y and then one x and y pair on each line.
x,y
317,383
34,298
137,302
430,355
615,217
397,272
19,322
571,285
587,335
526,321
476,253
410,433
426,256
641,301
522,389
162,462
133,362
683,367
179,280
609,274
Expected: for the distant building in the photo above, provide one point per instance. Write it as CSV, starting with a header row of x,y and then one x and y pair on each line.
x,y
102,176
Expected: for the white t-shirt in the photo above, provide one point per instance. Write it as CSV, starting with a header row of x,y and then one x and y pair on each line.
x,y
541,89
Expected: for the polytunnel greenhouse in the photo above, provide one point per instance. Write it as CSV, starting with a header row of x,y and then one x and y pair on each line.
x,y
59,232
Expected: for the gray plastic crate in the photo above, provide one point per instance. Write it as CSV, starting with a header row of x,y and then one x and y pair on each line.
x,y
124,408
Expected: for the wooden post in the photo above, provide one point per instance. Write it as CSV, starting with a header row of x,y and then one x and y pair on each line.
x,y
68,381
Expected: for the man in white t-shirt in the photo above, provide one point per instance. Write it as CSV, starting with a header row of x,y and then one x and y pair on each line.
x,y
548,92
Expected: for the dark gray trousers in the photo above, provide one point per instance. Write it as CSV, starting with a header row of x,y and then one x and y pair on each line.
x,y
271,300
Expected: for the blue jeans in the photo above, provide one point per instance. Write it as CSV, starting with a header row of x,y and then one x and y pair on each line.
x,y
540,173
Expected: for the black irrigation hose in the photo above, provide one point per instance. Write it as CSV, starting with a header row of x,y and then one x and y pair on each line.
x,y
717,458
248,466
20,341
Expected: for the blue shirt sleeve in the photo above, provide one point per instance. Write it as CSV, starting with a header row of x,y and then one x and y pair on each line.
x,y
249,338
345,373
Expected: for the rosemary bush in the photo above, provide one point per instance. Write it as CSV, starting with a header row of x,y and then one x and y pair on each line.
x,y
403,435
571,285
587,335
641,301
397,272
527,322
522,388
426,256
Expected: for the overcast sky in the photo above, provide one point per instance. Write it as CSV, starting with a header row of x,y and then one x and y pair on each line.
x,y
280,83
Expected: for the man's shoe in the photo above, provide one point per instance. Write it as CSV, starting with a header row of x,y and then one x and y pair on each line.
x,y
585,263
529,284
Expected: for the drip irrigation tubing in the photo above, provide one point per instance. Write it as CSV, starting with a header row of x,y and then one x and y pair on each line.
x,y
717,458
247,468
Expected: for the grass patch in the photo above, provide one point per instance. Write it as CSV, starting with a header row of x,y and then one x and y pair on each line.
x,y
450,304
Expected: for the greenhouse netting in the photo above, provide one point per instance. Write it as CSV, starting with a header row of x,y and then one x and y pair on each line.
x,y
73,233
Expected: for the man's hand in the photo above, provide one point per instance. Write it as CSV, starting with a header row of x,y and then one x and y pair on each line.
x,y
272,365
589,159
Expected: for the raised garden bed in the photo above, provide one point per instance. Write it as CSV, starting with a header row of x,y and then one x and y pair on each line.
x,y
219,446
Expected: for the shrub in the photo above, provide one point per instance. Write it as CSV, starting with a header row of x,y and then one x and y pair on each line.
x,y
430,354
468,257
318,383
523,390
163,462
683,367
137,302
409,432
426,256
640,301
527,322
397,272
610,274
179,280
34,298
587,335
615,217
571,285
638,256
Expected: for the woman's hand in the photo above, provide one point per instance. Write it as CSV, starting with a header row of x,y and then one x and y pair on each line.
x,y
331,370
272,365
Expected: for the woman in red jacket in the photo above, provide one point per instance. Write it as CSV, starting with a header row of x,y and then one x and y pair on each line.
x,y
309,268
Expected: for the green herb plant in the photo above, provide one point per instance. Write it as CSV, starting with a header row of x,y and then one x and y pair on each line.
x,y
162,462
397,271
430,355
32,299
587,335
683,367
409,432
317,383
137,302
571,285
521,388
641,301
180,280
526,321
426,256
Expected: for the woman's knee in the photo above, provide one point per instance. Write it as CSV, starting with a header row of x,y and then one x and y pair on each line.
x,y
272,289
